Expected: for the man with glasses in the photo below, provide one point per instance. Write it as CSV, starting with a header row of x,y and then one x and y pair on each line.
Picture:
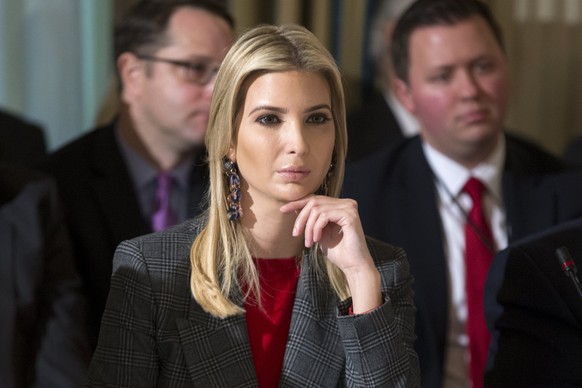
x,y
145,171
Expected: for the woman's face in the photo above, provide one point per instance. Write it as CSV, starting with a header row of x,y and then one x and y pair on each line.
x,y
285,137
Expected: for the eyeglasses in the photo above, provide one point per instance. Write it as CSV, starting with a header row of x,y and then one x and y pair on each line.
x,y
199,72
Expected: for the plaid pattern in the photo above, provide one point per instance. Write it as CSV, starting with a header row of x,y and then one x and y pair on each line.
x,y
153,333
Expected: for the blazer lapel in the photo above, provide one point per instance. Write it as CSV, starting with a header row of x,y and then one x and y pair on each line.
x,y
114,190
313,343
217,351
419,229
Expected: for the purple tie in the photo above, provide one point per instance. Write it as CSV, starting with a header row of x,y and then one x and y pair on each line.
x,y
163,216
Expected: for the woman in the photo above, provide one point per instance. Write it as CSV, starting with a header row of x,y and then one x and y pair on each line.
x,y
276,284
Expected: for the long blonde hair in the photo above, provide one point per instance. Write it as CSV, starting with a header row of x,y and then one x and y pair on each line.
x,y
220,256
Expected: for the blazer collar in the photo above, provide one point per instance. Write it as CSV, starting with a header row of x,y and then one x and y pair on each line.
x,y
112,185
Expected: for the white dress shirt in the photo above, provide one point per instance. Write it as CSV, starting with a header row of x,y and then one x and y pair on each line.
x,y
454,205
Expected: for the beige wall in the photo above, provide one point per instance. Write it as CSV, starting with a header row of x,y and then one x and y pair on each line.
x,y
545,56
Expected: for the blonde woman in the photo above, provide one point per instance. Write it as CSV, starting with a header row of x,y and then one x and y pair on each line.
x,y
276,284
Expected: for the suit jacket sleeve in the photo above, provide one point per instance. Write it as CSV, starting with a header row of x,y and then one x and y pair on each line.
x,y
63,354
43,342
379,345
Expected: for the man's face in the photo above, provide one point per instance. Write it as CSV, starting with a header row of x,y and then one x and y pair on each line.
x,y
458,88
166,104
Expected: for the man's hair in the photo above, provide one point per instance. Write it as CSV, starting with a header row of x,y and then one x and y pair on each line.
x,y
142,29
427,13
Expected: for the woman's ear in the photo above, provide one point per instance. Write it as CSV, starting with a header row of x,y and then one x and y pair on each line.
x,y
231,155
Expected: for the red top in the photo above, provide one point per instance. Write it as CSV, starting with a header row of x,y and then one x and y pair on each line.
x,y
268,328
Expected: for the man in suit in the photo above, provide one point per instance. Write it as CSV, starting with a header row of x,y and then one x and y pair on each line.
x,y
21,142
42,333
535,312
167,56
453,76
381,120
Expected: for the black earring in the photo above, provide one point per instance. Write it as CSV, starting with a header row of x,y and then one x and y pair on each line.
x,y
233,209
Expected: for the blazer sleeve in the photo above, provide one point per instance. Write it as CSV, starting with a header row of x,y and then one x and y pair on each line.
x,y
126,354
63,349
379,344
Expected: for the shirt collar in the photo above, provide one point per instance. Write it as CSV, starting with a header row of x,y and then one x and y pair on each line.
x,y
143,173
454,176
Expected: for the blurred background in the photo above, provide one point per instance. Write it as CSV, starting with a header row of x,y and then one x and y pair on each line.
x,y
56,67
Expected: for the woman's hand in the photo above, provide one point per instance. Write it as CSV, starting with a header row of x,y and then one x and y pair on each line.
x,y
335,224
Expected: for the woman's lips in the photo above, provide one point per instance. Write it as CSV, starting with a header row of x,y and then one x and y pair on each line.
x,y
293,173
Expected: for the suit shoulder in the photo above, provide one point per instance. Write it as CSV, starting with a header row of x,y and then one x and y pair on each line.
x,y
533,159
13,179
75,155
167,245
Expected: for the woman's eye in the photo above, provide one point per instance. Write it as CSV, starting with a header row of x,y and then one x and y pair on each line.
x,y
318,119
268,120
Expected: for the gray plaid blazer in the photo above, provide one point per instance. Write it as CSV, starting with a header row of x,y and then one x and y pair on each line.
x,y
154,334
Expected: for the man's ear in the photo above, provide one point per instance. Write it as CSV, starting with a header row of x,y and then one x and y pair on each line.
x,y
132,71
404,95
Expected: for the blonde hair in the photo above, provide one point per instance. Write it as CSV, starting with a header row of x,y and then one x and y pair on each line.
x,y
220,256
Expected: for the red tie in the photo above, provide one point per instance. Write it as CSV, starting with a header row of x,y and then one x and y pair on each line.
x,y
478,256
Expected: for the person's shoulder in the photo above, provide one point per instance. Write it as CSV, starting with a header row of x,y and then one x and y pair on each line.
x,y
75,155
81,144
530,157
9,121
176,239
388,155
14,179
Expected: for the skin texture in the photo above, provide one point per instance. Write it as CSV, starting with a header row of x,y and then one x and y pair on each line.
x,y
458,88
170,113
284,146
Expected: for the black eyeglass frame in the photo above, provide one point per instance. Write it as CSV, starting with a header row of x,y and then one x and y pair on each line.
x,y
208,71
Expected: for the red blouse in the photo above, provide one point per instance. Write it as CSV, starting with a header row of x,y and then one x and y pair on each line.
x,y
268,328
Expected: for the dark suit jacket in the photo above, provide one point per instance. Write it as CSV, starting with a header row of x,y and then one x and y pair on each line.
x,y
397,203
155,334
102,208
42,338
372,127
573,152
536,313
21,143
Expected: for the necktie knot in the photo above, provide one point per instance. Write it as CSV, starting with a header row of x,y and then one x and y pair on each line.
x,y
474,187
163,216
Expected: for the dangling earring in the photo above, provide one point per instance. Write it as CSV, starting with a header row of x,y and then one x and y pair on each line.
x,y
233,209
323,189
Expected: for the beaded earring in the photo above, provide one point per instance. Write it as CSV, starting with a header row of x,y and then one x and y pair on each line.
x,y
324,186
233,210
